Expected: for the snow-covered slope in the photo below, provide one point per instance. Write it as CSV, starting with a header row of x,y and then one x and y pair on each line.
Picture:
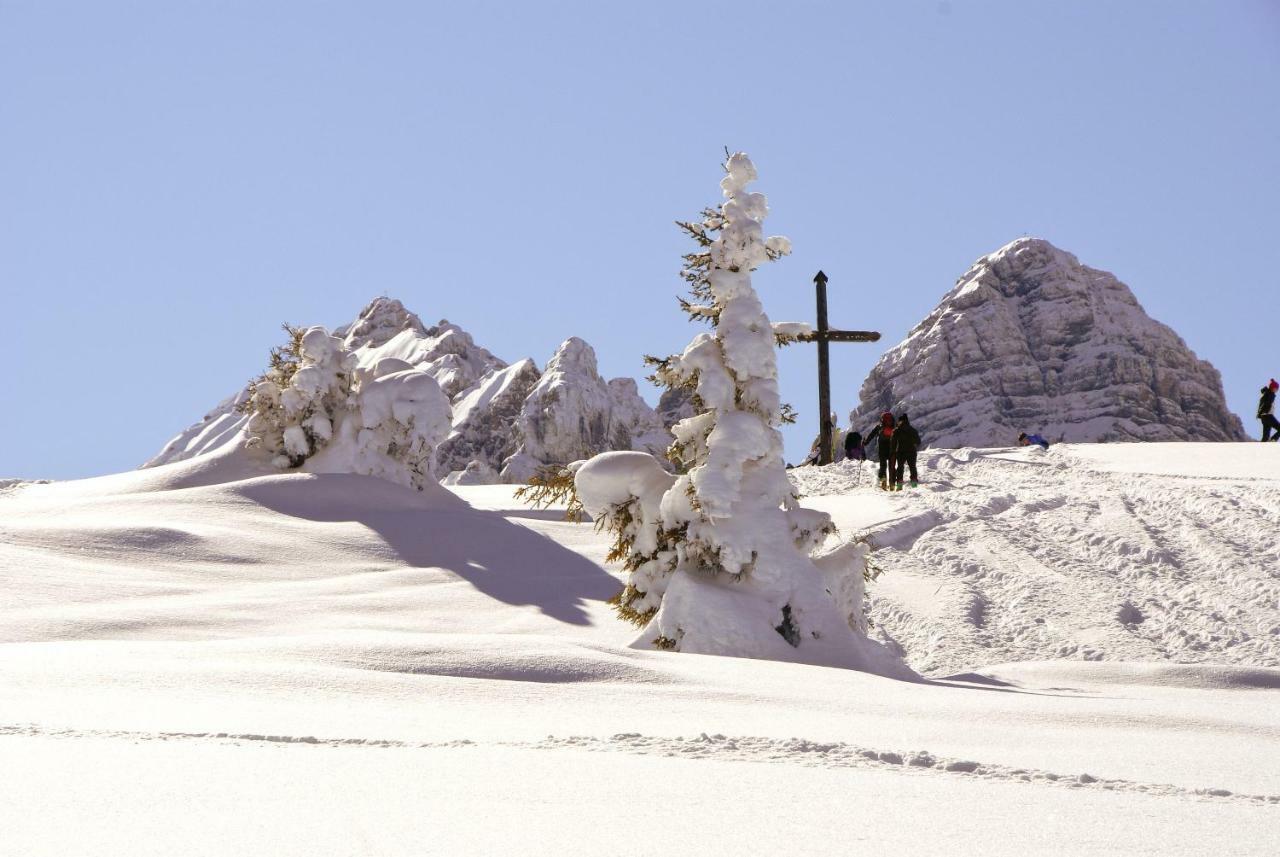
x,y
196,659
1138,552
492,422
1031,340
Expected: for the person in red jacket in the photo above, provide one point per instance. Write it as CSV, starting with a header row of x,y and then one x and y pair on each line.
x,y
884,449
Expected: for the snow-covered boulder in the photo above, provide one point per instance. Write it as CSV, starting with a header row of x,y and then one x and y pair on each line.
x,y
1031,340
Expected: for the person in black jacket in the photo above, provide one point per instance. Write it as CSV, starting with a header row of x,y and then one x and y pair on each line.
x,y
906,442
883,435
1267,412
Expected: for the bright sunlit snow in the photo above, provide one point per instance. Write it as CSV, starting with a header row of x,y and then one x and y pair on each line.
x,y
200,659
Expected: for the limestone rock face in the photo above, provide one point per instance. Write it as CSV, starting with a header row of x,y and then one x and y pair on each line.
x,y
633,424
1031,340
484,422
508,420
674,405
566,416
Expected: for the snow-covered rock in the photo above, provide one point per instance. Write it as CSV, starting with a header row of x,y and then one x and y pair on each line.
x,y
1031,340
484,419
632,423
566,415
675,404
445,351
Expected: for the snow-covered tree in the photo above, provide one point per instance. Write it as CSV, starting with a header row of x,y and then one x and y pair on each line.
x,y
317,407
720,556
293,407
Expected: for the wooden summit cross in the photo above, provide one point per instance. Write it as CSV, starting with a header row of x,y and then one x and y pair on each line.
x,y
822,336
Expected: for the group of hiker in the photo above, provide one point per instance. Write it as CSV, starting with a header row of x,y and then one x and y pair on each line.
x,y
897,444
897,441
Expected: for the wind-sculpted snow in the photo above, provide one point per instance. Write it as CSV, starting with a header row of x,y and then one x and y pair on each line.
x,y
1076,553
1031,340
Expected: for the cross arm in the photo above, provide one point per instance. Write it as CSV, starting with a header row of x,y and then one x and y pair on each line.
x,y
840,336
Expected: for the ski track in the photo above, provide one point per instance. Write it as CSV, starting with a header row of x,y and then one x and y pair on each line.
x,y
716,747
1053,558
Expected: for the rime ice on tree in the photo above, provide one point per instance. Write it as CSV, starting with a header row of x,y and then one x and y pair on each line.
x,y
720,556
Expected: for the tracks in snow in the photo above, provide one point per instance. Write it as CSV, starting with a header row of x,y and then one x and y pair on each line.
x,y
1047,557
796,751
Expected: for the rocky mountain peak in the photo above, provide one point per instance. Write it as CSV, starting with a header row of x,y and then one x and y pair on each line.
x,y
381,320
1029,339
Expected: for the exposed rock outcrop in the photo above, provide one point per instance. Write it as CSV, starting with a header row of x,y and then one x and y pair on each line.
x,y
1031,340
484,422
572,413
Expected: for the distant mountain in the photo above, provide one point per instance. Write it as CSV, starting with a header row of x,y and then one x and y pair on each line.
x,y
1031,340
508,420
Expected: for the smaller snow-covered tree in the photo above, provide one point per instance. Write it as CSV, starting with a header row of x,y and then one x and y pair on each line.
x,y
293,407
317,406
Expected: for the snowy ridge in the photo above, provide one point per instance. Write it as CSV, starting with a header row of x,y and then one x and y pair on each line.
x,y
493,427
1031,340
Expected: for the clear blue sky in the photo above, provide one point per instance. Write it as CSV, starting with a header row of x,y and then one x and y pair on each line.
x,y
178,178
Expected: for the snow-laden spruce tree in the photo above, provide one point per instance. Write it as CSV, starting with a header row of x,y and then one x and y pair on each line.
x,y
293,407
721,557
317,407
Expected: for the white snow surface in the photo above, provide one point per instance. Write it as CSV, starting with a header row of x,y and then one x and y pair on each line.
x,y
198,659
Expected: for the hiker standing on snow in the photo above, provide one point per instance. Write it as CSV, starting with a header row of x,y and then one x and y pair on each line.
x,y
906,442
1267,411
884,448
